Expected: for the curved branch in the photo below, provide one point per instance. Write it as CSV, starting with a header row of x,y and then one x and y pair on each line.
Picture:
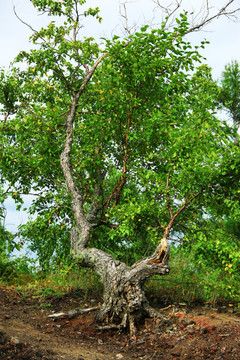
x,y
24,23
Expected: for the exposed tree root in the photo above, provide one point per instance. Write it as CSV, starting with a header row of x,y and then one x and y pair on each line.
x,y
113,326
129,320
132,326
153,313
109,327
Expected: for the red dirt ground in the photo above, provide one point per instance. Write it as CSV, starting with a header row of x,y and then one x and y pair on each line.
x,y
26,332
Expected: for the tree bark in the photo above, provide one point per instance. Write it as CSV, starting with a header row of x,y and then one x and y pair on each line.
x,y
124,301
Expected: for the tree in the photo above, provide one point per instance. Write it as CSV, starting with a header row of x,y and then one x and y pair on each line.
x,y
119,143
228,214
230,94
7,244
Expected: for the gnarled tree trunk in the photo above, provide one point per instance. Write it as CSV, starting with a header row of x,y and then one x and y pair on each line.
x,y
124,301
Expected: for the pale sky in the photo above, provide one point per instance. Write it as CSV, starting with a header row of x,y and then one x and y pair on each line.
x,y
223,35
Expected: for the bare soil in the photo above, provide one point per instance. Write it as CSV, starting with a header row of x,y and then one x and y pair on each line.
x,y
27,333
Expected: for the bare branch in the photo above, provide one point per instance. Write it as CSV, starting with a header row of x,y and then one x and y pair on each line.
x,y
207,19
23,22
160,256
205,15
169,10
90,73
124,15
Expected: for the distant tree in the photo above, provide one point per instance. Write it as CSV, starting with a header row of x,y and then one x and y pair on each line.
x,y
7,243
230,98
119,142
230,94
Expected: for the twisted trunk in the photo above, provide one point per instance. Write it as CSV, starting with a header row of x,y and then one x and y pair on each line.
x,y
124,300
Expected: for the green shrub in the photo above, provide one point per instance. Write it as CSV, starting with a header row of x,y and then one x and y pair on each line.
x,y
194,281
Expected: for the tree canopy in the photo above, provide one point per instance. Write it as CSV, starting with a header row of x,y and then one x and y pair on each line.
x,y
120,143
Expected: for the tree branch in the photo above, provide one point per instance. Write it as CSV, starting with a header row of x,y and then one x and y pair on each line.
x,y
167,9
173,218
24,23
168,197
90,73
205,9
222,12
159,258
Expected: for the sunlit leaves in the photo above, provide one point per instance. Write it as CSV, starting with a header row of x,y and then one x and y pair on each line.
x,y
146,138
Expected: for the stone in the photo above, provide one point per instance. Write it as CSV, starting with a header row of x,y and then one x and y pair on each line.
x,y
119,356
14,340
190,329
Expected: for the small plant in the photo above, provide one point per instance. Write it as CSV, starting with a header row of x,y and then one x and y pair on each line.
x,y
45,305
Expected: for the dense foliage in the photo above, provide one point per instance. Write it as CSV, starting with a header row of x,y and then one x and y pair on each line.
x,y
148,146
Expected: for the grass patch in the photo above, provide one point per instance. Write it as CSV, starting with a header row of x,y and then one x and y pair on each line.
x,y
192,282
189,282
63,281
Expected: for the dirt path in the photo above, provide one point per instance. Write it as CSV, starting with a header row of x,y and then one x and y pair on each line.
x,y
27,333
50,345
23,322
